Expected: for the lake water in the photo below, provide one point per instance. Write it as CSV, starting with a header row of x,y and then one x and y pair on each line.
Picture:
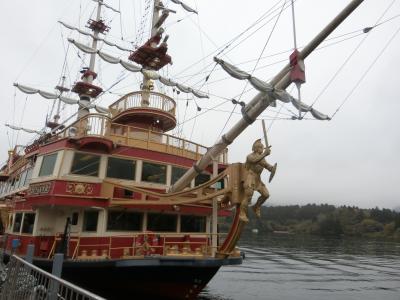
x,y
292,267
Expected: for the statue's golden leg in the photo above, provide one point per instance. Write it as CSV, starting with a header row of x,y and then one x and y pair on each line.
x,y
245,205
260,201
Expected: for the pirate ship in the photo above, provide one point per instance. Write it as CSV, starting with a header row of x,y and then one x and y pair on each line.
x,y
133,208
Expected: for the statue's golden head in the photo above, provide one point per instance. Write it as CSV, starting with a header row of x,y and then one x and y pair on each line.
x,y
257,144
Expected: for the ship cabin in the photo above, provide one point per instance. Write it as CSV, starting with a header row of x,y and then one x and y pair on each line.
x,y
92,187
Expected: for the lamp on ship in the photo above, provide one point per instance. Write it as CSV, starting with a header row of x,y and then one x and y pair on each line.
x,y
72,131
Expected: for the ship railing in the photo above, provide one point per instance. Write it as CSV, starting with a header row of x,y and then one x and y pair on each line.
x,y
24,281
144,99
139,244
90,125
98,125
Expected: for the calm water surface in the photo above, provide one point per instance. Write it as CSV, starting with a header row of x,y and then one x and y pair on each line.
x,y
291,267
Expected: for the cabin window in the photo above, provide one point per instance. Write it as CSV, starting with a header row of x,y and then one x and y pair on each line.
x,y
161,222
22,179
16,183
85,164
124,221
193,223
28,176
154,173
177,173
75,218
10,220
128,194
17,222
201,178
48,163
90,219
29,221
12,185
7,187
220,184
121,168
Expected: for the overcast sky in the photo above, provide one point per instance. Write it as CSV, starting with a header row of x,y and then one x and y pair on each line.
x,y
351,160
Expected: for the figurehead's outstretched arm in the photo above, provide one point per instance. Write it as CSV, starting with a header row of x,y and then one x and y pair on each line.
x,y
256,158
266,165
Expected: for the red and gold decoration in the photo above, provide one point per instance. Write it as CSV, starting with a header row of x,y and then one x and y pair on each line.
x,y
39,189
79,188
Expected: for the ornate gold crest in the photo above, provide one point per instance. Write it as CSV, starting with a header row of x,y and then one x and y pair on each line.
x,y
79,188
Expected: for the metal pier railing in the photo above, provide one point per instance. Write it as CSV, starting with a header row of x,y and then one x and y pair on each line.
x,y
24,281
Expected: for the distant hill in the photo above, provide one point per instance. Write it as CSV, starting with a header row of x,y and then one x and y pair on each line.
x,y
326,220
397,209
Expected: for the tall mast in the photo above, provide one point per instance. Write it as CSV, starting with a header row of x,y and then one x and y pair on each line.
x,y
62,89
147,85
156,16
260,102
94,42
85,88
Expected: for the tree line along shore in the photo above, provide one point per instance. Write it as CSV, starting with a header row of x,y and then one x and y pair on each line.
x,y
325,220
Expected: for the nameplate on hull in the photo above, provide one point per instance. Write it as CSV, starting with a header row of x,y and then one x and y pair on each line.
x,y
39,189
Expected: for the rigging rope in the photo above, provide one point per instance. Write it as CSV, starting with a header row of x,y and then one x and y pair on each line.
x,y
13,118
120,19
198,108
279,111
42,42
265,46
351,55
22,117
226,45
367,71
255,66
9,142
297,83
294,26
356,33
272,18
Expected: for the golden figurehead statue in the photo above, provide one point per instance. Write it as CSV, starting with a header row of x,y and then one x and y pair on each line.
x,y
255,164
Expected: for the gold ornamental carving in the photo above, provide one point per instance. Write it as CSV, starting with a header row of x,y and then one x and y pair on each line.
x,y
79,188
255,164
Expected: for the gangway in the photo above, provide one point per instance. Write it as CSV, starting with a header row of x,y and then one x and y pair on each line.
x,y
24,281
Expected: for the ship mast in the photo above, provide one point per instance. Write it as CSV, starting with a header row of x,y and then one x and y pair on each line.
x,y
260,102
85,88
94,42
155,38
147,85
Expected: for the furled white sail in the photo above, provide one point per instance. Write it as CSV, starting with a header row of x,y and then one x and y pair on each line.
x,y
151,74
185,6
48,95
93,37
23,129
263,86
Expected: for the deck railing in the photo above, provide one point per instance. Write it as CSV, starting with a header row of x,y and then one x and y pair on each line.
x,y
144,99
140,244
25,281
98,125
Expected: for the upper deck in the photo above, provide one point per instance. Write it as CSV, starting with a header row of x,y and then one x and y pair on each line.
x,y
101,126
147,108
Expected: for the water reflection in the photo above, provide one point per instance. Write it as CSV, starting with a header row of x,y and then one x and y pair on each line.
x,y
294,267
